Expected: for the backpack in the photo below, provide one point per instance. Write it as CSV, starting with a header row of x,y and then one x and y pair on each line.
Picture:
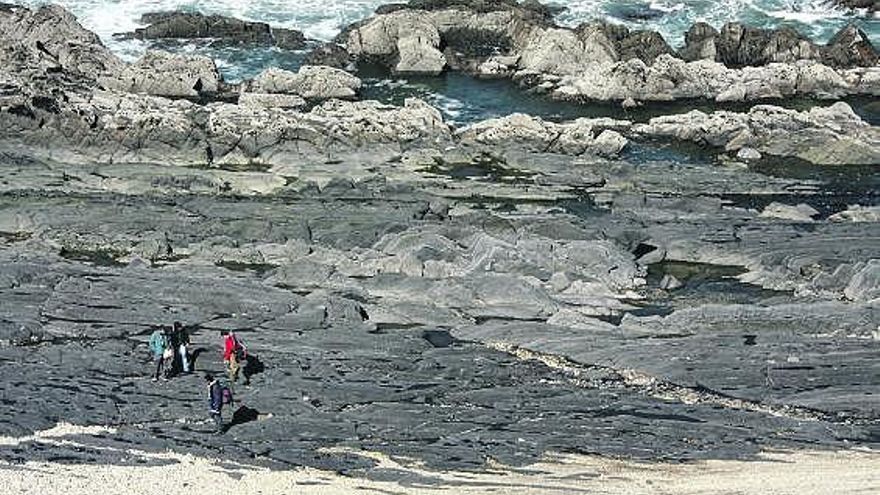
x,y
226,394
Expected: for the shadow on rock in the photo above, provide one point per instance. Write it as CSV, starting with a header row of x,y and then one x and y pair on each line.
x,y
194,357
242,415
253,366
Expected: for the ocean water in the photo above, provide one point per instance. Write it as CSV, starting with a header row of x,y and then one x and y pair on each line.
x,y
462,99
322,19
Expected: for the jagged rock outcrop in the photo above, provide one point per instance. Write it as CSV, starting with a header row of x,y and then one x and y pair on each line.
x,y
622,43
48,43
738,45
598,61
310,82
832,135
850,46
699,42
166,74
406,39
193,25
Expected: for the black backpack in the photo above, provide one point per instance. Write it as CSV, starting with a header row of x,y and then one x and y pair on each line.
x,y
226,394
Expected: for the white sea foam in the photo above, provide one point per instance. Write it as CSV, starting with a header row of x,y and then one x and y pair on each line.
x,y
323,19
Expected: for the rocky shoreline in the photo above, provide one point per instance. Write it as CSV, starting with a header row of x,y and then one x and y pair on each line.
x,y
455,296
603,62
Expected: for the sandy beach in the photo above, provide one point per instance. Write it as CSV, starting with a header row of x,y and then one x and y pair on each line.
x,y
777,473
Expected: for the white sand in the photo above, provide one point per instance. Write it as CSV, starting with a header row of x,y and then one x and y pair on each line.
x,y
796,473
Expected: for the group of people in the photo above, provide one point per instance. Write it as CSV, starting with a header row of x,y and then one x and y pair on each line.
x,y
170,349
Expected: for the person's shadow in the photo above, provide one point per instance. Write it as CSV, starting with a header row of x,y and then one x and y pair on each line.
x,y
242,415
194,357
253,366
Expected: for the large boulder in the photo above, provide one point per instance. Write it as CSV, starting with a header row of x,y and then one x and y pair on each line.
x,y
738,45
699,43
193,25
49,39
801,213
311,82
407,41
166,74
643,45
562,51
590,136
850,47
857,214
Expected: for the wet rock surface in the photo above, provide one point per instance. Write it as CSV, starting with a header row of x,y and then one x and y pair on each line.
x,y
450,297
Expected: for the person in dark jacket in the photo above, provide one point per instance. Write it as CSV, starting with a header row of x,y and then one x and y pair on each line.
x,y
182,345
215,397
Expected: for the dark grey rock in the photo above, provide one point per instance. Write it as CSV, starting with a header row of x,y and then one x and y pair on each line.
x,y
187,25
850,47
330,55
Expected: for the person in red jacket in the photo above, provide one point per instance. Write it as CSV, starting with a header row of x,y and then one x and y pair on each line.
x,y
232,354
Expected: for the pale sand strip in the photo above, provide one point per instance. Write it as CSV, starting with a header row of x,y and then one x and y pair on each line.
x,y
796,473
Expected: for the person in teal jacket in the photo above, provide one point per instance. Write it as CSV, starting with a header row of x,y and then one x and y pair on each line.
x,y
159,342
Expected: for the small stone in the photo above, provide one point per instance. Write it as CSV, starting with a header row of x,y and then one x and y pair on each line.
x,y
748,154
559,281
799,213
630,103
669,282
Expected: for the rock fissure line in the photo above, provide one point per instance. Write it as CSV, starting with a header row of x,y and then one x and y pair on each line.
x,y
666,390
